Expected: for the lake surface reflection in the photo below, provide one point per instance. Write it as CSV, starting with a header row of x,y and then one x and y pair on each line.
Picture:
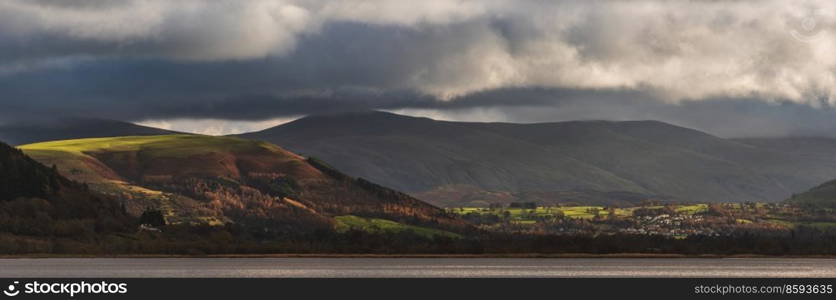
x,y
416,267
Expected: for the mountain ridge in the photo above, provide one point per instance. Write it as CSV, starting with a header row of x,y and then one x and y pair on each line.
x,y
33,131
422,156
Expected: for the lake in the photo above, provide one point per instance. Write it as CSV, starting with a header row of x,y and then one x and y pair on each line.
x,y
417,267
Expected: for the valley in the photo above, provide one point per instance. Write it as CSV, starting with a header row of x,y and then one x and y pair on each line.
x,y
570,187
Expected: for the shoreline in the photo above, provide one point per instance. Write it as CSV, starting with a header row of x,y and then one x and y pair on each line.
x,y
428,256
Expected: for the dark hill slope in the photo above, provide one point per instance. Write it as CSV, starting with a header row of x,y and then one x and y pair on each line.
x,y
822,196
24,177
37,201
220,179
417,154
817,148
454,163
71,128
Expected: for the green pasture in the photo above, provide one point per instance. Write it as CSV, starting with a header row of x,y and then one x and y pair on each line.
x,y
375,225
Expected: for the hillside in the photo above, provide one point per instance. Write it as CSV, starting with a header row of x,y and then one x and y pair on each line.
x,y
593,162
37,203
20,133
821,196
217,180
818,148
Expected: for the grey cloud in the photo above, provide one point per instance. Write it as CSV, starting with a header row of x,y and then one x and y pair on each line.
x,y
347,66
682,50
678,61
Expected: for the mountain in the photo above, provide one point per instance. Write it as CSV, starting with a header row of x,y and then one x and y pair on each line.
x,y
601,162
20,133
216,180
36,201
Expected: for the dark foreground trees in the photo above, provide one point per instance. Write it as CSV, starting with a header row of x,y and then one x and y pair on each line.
x,y
231,239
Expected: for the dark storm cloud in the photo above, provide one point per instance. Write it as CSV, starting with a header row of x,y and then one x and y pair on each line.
x,y
348,66
741,67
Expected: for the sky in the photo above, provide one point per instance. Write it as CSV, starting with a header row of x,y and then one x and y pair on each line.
x,y
732,68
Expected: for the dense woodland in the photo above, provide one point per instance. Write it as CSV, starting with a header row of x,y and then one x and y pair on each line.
x,y
202,240
40,206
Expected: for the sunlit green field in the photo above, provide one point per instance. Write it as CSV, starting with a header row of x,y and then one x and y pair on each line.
x,y
75,158
692,209
527,215
741,214
373,225
579,212
180,145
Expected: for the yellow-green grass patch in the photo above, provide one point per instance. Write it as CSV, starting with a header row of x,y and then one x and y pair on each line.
x,y
374,225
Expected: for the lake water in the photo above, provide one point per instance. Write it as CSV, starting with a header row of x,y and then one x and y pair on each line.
x,y
416,267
